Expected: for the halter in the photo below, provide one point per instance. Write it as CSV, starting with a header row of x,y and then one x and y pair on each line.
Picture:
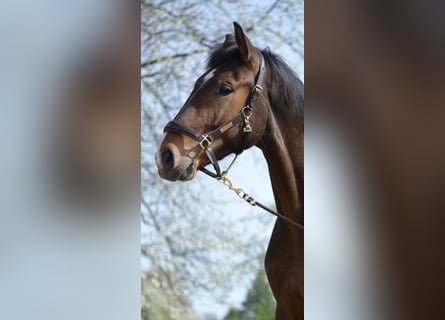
x,y
205,141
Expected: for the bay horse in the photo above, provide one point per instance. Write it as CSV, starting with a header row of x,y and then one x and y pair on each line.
x,y
249,97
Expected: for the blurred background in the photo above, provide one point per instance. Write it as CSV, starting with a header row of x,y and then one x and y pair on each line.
x,y
70,160
86,88
202,247
374,157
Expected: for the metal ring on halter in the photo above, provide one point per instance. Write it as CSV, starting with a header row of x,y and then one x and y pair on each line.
x,y
247,112
205,139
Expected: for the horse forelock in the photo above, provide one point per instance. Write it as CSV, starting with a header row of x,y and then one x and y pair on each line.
x,y
223,55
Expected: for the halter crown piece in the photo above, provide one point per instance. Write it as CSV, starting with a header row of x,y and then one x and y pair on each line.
x,y
205,141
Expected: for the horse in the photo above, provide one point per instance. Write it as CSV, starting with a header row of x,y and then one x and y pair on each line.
x,y
249,97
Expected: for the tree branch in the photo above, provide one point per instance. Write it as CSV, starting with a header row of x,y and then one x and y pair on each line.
x,y
174,56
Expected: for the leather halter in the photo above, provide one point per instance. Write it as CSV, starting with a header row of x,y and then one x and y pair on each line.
x,y
205,140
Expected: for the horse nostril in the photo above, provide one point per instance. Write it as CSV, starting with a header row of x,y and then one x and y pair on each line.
x,y
167,159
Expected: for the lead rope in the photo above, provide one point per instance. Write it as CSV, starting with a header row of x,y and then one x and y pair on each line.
x,y
245,196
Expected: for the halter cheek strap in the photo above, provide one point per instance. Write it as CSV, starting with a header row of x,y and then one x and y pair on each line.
x,y
205,140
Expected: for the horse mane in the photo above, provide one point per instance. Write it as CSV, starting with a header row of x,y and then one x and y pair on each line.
x,y
284,80
281,78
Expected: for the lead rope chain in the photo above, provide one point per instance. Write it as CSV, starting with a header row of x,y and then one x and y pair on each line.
x,y
239,192
245,196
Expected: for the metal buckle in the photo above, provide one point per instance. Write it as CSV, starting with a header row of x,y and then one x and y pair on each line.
x,y
247,113
257,87
205,138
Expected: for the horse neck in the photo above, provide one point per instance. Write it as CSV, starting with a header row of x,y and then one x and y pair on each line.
x,y
283,150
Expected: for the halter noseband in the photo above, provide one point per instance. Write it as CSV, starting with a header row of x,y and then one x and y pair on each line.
x,y
205,140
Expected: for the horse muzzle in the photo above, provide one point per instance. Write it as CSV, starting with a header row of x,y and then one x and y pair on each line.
x,y
173,166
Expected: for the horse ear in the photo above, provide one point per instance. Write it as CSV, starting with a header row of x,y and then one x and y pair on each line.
x,y
242,41
229,41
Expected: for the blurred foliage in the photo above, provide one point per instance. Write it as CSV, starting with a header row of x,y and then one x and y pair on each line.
x,y
157,301
190,245
259,303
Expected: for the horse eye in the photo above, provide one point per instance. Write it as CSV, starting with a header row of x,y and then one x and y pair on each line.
x,y
224,90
